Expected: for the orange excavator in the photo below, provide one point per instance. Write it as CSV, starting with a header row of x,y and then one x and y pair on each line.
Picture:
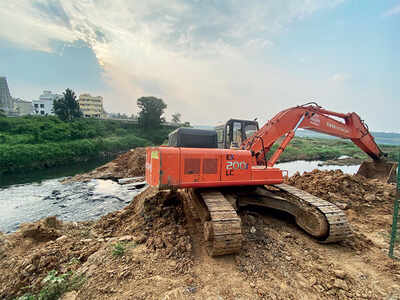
x,y
218,171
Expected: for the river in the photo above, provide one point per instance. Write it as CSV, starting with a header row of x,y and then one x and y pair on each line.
x,y
307,166
30,197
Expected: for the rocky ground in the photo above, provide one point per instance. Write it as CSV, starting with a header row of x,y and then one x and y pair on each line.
x,y
163,256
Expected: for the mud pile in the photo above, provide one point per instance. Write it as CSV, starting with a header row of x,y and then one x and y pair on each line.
x,y
129,164
346,191
156,218
37,248
151,227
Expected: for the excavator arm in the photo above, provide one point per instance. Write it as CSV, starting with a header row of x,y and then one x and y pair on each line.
x,y
313,117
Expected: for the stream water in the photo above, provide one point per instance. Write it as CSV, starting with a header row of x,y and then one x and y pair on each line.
x,y
27,198
307,166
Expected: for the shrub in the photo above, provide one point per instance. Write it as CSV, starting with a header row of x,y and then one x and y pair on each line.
x,y
55,285
118,249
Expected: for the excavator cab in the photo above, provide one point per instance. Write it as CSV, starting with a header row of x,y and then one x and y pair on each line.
x,y
234,132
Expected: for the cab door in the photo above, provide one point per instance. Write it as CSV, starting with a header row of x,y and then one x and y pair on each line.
x,y
233,134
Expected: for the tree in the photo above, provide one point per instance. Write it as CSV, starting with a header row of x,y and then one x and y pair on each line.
x,y
67,108
151,111
2,113
176,118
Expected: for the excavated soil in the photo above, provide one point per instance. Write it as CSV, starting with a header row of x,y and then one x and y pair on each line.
x,y
129,164
165,257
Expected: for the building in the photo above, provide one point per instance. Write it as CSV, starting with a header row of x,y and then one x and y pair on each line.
x,y
44,106
91,106
22,107
6,101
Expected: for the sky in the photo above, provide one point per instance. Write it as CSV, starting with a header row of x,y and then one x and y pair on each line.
x,y
209,60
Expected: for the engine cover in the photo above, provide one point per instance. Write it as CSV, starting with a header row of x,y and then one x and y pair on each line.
x,y
173,167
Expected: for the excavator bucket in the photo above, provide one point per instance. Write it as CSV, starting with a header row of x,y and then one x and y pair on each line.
x,y
383,171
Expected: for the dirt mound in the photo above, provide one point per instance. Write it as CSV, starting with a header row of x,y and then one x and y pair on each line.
x,y
36,249
158,217
346,191
42,231
129,164
152,225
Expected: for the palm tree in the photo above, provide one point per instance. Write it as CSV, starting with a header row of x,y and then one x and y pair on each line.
x,y
67,108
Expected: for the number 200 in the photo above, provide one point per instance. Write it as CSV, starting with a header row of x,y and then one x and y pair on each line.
x,y
235,165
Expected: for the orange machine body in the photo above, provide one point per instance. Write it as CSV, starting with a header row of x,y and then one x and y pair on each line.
x,y
174,167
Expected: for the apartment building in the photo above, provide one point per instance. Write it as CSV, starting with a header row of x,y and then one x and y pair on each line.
x,y
44,106
91,106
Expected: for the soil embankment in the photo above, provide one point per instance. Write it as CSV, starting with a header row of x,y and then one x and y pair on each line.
x,y
163,255
129,164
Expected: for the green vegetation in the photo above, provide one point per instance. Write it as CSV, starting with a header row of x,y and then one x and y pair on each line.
x,y
151,111
28,143
54,286
118,249
302,148
40,142
176,118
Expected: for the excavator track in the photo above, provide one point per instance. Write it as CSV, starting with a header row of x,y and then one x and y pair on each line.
x,y
216,209
222,232
338,226
221,226
319,218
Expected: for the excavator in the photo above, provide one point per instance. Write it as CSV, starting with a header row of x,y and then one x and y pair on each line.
x,y
219,171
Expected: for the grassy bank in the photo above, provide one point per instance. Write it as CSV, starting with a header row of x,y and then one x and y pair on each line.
x,y
302,148
29,143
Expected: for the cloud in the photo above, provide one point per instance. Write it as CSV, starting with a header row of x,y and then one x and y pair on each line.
x,y
393,11
200,56
340,77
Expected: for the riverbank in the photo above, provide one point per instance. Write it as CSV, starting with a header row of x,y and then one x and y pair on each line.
x,y
34,143
23,157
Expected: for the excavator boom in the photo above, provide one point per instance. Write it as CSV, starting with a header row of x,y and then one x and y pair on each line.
x,y
312,117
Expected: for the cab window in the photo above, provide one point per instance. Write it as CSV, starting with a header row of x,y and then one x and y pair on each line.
x,y
228,136
237,134
249,130
220,135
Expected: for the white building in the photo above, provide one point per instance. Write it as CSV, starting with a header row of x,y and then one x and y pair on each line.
x,y
22,107
44,106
